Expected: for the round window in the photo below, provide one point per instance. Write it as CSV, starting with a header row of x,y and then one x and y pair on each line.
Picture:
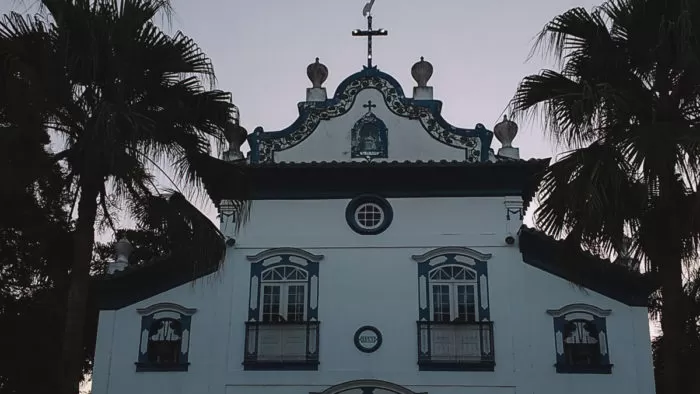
x,y
369,214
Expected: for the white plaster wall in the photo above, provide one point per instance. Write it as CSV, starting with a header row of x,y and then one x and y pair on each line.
x,y
429,222
627,331
373,280
211,296
407,138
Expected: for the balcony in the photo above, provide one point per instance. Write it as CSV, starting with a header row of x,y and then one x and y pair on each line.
x,y
455,346
281,346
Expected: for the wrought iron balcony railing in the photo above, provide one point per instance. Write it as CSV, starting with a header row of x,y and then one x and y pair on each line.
x,y
283,345
455,346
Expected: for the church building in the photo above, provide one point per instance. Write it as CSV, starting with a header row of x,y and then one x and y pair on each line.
x,y
384,252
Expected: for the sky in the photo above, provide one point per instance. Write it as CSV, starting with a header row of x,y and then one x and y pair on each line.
x,y
479,50
261,48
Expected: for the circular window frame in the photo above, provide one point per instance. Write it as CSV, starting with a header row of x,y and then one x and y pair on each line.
x,y
358,333
358,202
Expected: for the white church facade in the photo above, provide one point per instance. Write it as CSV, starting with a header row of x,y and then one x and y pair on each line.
x,y
384,252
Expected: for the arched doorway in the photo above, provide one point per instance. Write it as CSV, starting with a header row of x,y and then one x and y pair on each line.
x,y
367,386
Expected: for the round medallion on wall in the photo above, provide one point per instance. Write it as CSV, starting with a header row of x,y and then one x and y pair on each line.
x,y
369,215
368,339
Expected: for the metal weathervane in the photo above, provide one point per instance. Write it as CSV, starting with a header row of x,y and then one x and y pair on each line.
x,y
369,33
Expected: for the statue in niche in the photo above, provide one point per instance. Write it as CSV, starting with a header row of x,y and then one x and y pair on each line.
x,y
369,136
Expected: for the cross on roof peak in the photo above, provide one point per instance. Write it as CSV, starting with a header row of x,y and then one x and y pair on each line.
x,y
369,33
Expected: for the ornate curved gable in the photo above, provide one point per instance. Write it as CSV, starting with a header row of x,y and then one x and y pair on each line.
x,y
366,124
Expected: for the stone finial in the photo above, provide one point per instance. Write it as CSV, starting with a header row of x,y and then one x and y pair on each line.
x,y
421,72
505,132
317,73
235,135
122,251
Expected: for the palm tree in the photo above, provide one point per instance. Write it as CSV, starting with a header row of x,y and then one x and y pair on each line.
x,y
626,100
126,99
691,337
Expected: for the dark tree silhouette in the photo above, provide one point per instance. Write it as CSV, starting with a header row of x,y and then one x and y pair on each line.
x,y
125,99
626,99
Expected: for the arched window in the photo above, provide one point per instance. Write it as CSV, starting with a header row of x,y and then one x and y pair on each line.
x,y
282,330
165,337
453,285
284,294
581,339
453,294
454,328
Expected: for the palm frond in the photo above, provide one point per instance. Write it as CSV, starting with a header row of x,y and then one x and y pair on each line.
x,y
569,108
140,12
605,196
190,234
571,31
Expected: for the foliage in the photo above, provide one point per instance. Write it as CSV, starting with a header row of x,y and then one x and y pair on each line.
x,y
147,246
126,100
35,257
626,99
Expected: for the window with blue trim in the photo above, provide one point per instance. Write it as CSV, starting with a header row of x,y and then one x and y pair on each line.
x,y
284,291
453,294
282,330
581,339
165,338
454,327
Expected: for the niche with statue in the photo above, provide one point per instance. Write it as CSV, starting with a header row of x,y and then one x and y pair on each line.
x,y
369,136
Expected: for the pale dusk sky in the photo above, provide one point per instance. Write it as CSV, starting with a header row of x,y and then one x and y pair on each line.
x,y
261,48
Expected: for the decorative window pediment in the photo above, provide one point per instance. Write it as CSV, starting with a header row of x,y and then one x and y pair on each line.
x,y
458,252
165,337
590,310
278,252
581,339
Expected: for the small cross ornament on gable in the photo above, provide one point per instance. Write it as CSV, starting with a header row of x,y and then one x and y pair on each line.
x,y
369,106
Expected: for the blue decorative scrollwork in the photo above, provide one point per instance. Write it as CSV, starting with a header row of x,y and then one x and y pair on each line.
x,y
476,142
